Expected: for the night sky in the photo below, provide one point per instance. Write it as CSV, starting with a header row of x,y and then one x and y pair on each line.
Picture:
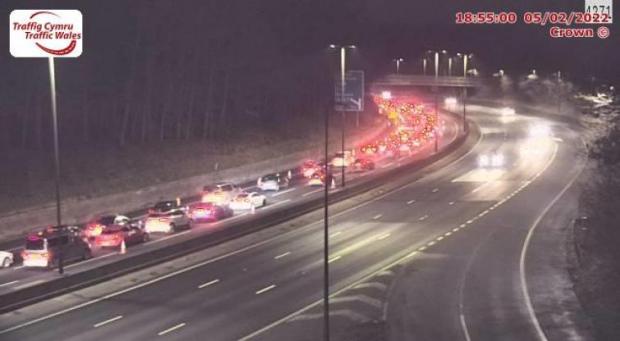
x,y
385,29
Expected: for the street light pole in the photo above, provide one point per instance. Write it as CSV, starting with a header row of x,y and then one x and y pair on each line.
x,y
326,233
450,66
55,127
398,61
436,137
342,85
424,66
464,93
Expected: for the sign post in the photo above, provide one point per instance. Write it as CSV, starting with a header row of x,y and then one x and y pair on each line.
x,y
47,34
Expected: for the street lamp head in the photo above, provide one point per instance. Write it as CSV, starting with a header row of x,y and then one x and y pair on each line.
x,y
352,46
459,54
444,51
332,46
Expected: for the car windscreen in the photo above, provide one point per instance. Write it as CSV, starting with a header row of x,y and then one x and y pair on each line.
x,y
164,206
209,188
270,178
35,244
107,220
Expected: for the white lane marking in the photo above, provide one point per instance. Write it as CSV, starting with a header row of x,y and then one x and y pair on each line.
x,y
410,202
451,203
435,190
480,187
422,248
456,229
423,217
440,238
92,259
335,234
167,237
264,290
383,236
387,165
18,267
103,323
464,327
249,247
277,203
282,255
447,234
171,329
431,243
28,284
333,259
526,243
312,192
8,283
470,221
209,283
189,268
283,192
377,216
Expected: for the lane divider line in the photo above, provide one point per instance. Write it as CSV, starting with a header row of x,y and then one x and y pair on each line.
x,y
204,285
103,323
265,289
171,329
282,255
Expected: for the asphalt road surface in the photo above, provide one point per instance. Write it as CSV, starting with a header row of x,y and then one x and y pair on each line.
x,y
456,237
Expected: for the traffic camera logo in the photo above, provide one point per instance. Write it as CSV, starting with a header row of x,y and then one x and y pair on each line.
x,y
46,33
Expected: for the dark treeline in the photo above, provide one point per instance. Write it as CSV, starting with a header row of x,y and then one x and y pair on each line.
x,y
154,71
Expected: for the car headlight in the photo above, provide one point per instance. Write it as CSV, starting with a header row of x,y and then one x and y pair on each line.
x,y
497,160
483,161
508,111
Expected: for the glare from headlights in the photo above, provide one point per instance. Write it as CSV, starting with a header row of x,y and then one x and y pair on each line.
x,y
507,111
450,102
539,131
483,160
386,95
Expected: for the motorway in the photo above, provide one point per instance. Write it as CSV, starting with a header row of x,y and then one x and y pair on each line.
x,y
439,258
18,277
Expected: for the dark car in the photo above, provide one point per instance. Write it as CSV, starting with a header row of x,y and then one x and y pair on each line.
x,y
165,207
361,165
114,235
209,212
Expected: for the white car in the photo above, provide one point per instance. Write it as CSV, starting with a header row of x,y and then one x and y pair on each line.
x,y
272,182
220,194
343,160
245,201
6,259
167,222
493,160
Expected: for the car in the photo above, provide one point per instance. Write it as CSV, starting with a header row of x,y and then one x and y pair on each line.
x,y
114,235
272,182
493,160
309,167
167,222
343,159
209,212
319,179
6,259
44,248
245,201
94,228
165,207
220,194
382,146
361,165
369,149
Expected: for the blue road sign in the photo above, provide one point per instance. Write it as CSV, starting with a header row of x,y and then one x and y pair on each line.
x,y
353,99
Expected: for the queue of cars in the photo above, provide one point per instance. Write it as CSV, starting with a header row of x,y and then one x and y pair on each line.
x,y
44,248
